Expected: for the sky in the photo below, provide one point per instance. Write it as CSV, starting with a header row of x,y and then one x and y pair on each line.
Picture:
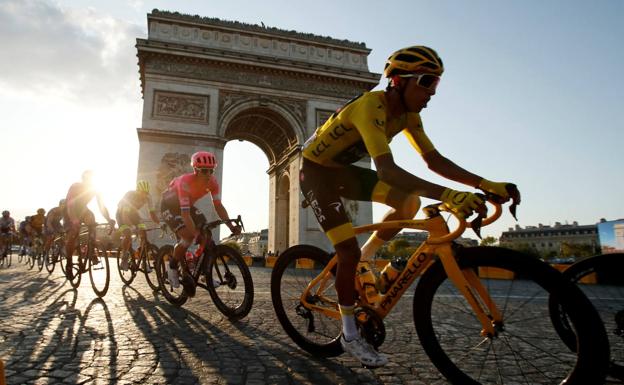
x,y
532,94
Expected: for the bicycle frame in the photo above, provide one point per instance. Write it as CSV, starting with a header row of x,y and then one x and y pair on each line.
x,y
438,244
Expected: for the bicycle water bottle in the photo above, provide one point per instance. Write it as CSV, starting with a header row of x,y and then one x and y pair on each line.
x,y
390,273
368,279
192,256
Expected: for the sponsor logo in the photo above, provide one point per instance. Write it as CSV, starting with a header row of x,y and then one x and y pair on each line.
x,y
336,206
403,281
315,207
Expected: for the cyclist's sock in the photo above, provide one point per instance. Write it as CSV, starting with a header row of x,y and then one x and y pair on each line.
x,y
371,246
349,328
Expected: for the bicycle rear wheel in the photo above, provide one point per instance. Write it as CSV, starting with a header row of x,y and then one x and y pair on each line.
x,y
148,263
41,257
127,276
175,295
527,348
229,283
32,259
99,272
313,331
50,259
600,277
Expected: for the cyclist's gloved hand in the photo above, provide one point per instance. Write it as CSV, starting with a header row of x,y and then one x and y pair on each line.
x,y
236,230
462,203
504,190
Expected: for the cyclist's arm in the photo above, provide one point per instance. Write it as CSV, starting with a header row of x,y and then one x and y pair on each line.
x,y
185,213
390,173
102,208
152,211
446,168
223,214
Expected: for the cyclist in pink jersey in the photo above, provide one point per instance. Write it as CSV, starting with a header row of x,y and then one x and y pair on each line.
x,y
180,214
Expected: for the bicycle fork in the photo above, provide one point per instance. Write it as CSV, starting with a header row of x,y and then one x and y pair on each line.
x,y
472,289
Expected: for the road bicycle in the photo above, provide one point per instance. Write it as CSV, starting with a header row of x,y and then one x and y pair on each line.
x,y
223,270
91,257
35,254
143,259
481,313
56,253
601,278
5,250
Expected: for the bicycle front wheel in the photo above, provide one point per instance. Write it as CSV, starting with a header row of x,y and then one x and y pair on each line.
x,y
600,278
175,295
148,262
126,266
526,348
229,282
99,272
41,258
312,330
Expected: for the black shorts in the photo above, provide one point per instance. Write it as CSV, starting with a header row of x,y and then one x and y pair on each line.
x,y
85,217
172,215
324,186
127,216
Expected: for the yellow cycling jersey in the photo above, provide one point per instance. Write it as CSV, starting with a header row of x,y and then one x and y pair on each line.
x,y
361,128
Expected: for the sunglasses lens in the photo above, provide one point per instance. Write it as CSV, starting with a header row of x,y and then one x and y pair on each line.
x,y
429,81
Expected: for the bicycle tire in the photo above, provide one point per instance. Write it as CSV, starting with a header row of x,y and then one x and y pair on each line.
x,y
100,281
50,259
541,353
31,261
175,296
148,260
41,257
78,267
127,276
228,268
20,257
287,284
9,257
2,258
600,279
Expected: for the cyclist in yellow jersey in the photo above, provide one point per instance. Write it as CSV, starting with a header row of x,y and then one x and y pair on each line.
x,y
364,127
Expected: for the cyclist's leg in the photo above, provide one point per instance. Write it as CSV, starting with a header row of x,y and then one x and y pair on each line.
x,y
404,206
89,220
323,189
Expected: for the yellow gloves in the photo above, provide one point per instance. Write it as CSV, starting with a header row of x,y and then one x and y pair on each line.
x,y
460,202
502,189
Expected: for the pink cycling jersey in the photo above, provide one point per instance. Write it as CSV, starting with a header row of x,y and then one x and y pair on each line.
x,y
189,189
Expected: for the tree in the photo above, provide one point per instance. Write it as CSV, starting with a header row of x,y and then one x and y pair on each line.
x,y
489,241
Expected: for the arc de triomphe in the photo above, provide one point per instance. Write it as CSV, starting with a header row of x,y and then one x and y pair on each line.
x,y
207,81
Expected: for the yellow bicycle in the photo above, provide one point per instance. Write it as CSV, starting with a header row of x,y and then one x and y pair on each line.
x,y
481,313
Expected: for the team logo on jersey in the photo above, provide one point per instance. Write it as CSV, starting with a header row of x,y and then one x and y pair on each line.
x,y
336,206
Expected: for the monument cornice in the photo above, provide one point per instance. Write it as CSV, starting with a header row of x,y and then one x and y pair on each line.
x,y
243,73
145,47
256,29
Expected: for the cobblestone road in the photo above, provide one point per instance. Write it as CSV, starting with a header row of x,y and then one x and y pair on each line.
x,y
52,334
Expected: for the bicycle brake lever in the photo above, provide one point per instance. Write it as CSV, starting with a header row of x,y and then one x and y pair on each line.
x,y
476,225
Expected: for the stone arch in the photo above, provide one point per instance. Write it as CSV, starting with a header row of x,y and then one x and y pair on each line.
x,y
207,81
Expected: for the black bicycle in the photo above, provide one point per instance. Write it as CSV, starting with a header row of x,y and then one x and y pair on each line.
x,y
143,259
5,251
219,269
93,258
601,277
56,253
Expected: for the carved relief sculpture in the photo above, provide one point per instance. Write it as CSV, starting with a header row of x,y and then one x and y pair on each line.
x,y
169,105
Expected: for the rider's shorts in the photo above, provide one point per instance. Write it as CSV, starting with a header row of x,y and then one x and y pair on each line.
x,y
85,216
171,213
128,216
324,186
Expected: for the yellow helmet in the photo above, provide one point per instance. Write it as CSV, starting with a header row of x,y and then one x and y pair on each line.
x,y
417,58
143,185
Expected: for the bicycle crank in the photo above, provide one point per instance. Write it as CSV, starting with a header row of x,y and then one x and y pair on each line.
x,y
371,326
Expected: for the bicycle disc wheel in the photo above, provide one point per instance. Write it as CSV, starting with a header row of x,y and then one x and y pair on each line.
x,y
526,348
229,283
127,276
313,331
175,296
600,277
99,272
148,263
